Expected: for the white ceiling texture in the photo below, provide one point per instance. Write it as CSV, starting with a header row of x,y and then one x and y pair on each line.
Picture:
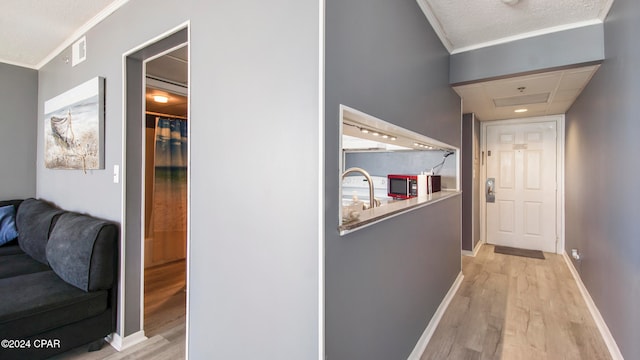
x,y
464,25
33,32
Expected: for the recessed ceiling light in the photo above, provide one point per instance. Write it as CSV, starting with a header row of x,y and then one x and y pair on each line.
x,y
521,110
160,99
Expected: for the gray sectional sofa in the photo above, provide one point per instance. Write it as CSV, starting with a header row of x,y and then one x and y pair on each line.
x,y
58,281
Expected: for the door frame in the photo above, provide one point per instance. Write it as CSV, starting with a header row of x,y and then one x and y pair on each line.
x,y
144,189
560,142
131,288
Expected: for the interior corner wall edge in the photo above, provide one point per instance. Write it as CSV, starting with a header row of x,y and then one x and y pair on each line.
x,y
466,172
384,283
18,101
602,150
560,49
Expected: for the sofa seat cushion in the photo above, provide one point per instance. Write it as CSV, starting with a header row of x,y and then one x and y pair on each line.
x,y
34,303
10,248
19,264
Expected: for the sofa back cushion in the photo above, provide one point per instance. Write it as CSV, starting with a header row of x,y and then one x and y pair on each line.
x,y
34,220
15,203
82,251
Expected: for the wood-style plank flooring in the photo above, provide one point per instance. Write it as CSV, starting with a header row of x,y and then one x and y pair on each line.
x,y
165,308
508,307
511,308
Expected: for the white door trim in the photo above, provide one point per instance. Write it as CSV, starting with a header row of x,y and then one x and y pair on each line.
x,y
119,340
560,140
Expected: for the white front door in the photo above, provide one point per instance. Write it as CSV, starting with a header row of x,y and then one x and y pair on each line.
x,y
521,158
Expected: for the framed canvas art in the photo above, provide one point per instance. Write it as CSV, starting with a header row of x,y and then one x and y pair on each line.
x,y
74,128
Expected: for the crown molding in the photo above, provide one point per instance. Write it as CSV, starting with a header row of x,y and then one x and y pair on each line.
x,y
435,24
81,31
527,35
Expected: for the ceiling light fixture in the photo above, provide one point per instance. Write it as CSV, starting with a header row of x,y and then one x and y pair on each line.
x,y
521,110
510,2
160,99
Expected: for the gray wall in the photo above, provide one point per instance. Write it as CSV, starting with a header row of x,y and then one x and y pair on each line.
x,y
404,162
253,269
478,184
384,283
470,173
602,170
556,50
18,99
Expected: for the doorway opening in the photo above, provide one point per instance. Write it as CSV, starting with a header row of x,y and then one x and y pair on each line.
x,y
165,197
135,227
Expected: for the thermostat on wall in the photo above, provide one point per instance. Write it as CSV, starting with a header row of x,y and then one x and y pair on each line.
x,y
79,51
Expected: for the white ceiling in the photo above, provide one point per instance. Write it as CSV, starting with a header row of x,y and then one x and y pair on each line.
x,y
468,24
168,76
32,32
547,93
464,25
172,67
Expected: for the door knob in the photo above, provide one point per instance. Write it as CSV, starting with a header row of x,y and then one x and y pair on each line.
x,y
491,194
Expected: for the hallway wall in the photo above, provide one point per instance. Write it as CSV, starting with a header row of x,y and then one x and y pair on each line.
x,y
602,171
19,122
384,283
583,45
470,174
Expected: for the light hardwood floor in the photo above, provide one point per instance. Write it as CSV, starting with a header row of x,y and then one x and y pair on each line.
x,y
511,308
165,308
507,307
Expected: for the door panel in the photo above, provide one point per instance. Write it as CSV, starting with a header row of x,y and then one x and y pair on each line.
x,y
506,180
522,159
507,138
506,218
533,218
533,170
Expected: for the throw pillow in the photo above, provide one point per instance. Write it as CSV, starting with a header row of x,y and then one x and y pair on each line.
x,y
8,229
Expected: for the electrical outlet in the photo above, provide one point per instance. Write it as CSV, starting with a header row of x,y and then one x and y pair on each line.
x,y
575,254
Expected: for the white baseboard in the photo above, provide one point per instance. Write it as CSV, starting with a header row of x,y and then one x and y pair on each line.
x,y
595,313
475,251
421,346
119,343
